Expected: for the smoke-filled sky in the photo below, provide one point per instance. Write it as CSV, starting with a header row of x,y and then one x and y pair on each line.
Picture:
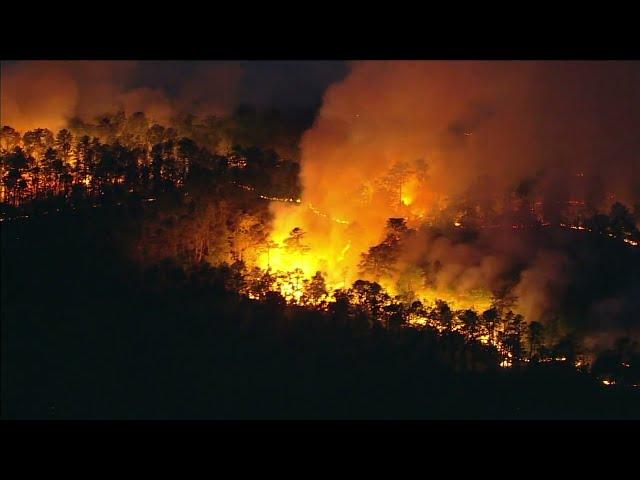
x,y
48,93
504,120
479,127
476,130
472,128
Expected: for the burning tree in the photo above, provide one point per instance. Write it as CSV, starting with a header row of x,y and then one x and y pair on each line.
x,y
293,243
380,260
315,291
9,139
491,318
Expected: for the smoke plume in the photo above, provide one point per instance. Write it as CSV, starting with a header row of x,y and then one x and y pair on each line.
x,y
46,94
409,138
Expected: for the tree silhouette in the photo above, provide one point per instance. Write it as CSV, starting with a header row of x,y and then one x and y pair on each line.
x,y
622,222
37,141
64,145
535,338
512,335
379,261
9,139
315,290
441,314
471,326
293,244
491,318
369,298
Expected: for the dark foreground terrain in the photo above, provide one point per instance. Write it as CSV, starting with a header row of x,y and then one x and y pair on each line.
x,y
85,335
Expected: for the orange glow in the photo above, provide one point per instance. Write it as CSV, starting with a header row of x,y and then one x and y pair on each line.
x,y
409,191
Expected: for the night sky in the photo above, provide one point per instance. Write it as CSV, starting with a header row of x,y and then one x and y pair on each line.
x,y
281,84
277,83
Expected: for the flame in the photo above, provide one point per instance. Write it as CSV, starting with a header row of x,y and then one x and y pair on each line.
x,y
409,191
343,251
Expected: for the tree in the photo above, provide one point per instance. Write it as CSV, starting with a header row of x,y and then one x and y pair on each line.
x,y
380,260
52,169
136,127
315,290
471,326
339,308
109,127
395,177
369,298
491,318
63,144
396,230
395,315
293,243
259,283
621,220
416,311
535,338
567,349
9,139
267,246
441,314
248,234
187,150
274,300
15,166
82,153
291,284
155,134
511,337
37,141
503,301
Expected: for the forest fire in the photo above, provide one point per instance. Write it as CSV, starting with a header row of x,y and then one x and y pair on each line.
x,y
423,214
331,245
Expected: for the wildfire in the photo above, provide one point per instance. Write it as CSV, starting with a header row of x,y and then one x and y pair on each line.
x,y
344,251
507,361
409,191
324,215
267,197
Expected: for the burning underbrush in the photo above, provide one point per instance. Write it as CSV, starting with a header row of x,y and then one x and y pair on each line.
x,y
394,294
529,278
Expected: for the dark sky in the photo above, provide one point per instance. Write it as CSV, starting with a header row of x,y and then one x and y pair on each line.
x,y
48,93
276,83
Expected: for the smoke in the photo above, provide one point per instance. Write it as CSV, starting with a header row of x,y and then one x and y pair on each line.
x,y
508,121
409,138
37,94
401,139
211,89
46,94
